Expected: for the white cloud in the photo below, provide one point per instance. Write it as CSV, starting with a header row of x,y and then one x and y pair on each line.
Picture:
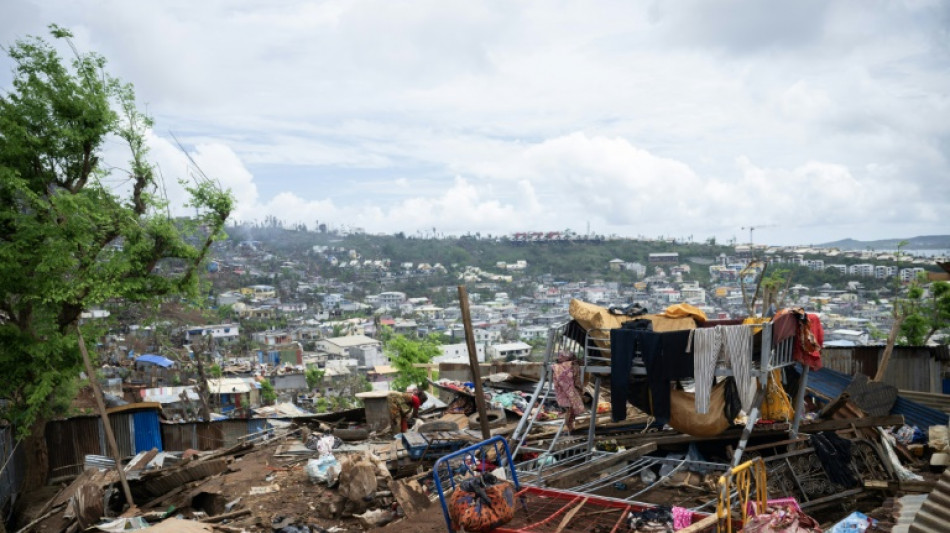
x,y
673,117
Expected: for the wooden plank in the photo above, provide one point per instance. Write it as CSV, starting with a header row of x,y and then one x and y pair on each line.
x,y
567,518
777,430
833,406
696,527
411,496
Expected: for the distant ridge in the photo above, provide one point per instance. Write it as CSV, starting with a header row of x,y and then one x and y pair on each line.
x,y
923,242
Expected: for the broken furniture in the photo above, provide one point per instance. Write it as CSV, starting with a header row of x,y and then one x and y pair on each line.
x,y
592,349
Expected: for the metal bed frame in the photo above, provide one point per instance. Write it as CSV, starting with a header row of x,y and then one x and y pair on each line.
x,y
568,453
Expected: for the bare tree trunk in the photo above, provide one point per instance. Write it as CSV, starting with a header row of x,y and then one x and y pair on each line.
x,y
889,349
36,455
202,387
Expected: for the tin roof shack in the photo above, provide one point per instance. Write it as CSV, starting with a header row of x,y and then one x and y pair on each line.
x,y
136,428
381,377
290,383
911,368
153,370
177,402
366,350
233,397
282,354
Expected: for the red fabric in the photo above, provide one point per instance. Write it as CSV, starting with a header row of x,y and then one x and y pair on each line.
x,y
808,341
416,402
808,346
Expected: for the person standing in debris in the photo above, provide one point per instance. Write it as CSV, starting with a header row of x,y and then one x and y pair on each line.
x,y
404,406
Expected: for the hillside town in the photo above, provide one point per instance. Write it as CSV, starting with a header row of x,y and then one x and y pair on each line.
x,y
198,333
305,320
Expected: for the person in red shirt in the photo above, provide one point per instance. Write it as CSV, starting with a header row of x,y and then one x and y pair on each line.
x,y
404,406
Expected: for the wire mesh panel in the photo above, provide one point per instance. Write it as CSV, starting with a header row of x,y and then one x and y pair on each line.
x,y
467,463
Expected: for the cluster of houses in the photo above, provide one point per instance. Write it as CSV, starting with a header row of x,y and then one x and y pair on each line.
x,y
334,327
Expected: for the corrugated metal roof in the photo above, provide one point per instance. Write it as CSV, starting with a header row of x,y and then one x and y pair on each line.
x,y
934,513
829,384
233,431
148,435
179,437
228,386
210,435
124,432
69,441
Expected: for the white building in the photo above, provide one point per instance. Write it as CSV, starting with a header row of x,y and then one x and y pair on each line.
x,y
693,294
391,299
459,353
508,350
861,269
883,272
220,332
366,350
910,274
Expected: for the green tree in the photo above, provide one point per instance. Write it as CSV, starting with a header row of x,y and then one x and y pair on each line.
x,y
405,353
69,240
927,312
314,377
215,370
268,394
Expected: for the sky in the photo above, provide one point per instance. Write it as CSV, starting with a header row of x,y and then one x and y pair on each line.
x,y
810,120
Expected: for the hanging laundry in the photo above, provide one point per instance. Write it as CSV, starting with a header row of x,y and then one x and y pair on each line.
x,y
567,387
626,344
707,346
737,345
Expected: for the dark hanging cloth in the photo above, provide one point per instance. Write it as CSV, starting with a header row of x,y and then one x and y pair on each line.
x,y
664,356
834,453
733,403
626,343
576,332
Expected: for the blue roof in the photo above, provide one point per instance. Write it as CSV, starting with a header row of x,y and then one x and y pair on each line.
x,y
830,383
163,362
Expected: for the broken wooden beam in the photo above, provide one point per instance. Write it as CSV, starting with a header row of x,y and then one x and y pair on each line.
x,y
776,430
832,407
696,527
225,516
411,496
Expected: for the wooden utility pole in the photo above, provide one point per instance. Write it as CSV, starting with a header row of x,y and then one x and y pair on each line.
x,y
473,363
107,427
889,347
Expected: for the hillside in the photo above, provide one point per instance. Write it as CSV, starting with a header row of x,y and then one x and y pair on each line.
x,y
923,242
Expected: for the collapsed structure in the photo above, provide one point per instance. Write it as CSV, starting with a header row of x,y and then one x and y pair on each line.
x,y
633,420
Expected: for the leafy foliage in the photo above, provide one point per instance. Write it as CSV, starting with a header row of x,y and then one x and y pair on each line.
x,y
69,241
268,393
928,312
314,377
404,353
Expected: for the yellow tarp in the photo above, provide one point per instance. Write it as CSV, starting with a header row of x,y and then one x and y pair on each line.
x,y
591,316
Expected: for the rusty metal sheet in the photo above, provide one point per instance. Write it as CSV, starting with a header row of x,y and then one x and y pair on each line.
x,y
209,436
123,429
69,441
174,437
179,476
934,514
233,431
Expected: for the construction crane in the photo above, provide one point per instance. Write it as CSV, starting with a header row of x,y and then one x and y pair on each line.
x,y
757,226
